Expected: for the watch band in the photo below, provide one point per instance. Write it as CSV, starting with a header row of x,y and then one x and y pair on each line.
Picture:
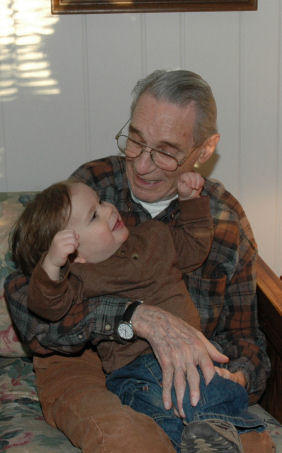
x,y
127,315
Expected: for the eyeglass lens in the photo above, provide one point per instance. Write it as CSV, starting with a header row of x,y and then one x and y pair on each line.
x,y
133,149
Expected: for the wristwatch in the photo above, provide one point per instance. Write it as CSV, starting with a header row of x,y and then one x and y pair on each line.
x,y
125,327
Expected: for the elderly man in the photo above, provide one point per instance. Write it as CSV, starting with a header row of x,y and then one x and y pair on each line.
x,y
172,127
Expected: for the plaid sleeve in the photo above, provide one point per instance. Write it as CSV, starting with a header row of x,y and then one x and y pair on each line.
x,y
229,275
238,331
92,320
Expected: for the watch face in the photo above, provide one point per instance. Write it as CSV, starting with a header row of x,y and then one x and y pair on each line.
x,y
125,331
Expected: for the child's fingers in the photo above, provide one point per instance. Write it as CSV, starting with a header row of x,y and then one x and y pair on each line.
x,y
66,235
70,243
196,181
64,243
190,184
191,178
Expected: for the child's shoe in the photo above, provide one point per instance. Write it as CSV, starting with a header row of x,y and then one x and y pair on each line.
x,y
210,436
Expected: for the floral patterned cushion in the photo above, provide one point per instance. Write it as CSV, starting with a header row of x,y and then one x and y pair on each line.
x,y
11,205
272,425
22,427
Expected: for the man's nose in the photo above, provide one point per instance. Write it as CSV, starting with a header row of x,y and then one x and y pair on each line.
x,y
143,164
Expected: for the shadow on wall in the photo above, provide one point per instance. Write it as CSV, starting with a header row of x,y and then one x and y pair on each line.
x,y
23,63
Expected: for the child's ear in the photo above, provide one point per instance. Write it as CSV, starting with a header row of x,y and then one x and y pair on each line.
x,y
79,259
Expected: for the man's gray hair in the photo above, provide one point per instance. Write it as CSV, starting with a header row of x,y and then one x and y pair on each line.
x,y
182,87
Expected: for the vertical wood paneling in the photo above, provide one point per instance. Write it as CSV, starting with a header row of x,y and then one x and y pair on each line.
x,y
278,237
3,167
115,50
163,33
85,89
43,133
259,126
95,61
213,51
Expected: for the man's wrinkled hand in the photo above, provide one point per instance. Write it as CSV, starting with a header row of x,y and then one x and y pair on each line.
x,y
179,349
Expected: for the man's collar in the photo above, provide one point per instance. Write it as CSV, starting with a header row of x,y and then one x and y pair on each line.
x,y
154,208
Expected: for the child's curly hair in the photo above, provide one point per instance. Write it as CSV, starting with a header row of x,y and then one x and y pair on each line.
x,y
42,218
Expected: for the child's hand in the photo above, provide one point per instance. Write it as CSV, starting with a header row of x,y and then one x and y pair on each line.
x,y
189,185
237,376
63,244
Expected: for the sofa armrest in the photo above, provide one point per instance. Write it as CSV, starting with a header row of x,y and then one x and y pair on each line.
x,y
269,293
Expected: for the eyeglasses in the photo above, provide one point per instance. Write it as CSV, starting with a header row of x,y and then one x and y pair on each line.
x,y
133,149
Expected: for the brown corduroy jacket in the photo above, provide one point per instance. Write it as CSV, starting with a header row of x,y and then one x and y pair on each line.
x,y
148,267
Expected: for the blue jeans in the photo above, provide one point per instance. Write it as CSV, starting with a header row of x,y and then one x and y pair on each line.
x,y
139,385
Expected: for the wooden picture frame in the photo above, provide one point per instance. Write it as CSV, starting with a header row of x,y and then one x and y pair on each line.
x,y
134,6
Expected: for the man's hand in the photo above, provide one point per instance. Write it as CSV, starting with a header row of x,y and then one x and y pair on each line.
x,y
237,376
64,243
189,185
179,348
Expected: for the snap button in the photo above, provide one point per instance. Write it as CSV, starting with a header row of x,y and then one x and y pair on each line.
x,y
80,336
108,327
135,256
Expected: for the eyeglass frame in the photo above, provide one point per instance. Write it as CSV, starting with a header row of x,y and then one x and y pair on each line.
x,y
144,146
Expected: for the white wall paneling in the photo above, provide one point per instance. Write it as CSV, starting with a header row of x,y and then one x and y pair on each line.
x,y
278,237
259,113
3,166
115,63
212,50
65,85
45,119
164,40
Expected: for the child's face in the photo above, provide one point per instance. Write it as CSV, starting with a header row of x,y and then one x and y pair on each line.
x,y
99,225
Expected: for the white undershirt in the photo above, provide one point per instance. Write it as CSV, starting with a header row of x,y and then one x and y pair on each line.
x,y
154,208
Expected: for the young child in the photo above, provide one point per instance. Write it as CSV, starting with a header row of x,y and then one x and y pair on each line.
x,y
76,246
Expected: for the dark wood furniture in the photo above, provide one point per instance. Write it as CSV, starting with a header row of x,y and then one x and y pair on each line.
x,y
154,6
269,292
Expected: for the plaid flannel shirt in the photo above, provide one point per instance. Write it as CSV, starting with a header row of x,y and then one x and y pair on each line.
x,y
223,288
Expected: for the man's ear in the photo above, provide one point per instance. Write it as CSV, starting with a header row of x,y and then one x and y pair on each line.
x,y
79,259
208,148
